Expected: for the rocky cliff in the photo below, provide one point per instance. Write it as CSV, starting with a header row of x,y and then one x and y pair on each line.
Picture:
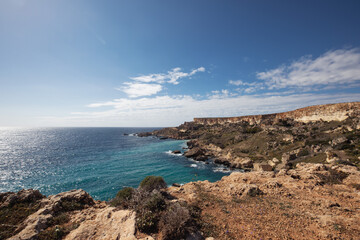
x,y
318,134
328,112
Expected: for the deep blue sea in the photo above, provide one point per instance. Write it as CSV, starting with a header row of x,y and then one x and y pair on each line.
x,y
99,160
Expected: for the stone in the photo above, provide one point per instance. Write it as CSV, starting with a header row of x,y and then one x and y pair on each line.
x,y
331,157
107,224
338,141
286,157
262,167
176,152
196,153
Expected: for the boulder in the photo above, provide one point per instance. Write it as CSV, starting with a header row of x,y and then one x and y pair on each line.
x,y
106,224
176,152
262,167
286,157
331,157
196,153
337,141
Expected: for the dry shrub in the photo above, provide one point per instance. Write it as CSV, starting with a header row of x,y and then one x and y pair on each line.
x,y
174,222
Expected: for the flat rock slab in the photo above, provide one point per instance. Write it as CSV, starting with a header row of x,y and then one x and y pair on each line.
x,y
108,224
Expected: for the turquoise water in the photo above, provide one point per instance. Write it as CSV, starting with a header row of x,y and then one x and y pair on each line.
x,y
99,160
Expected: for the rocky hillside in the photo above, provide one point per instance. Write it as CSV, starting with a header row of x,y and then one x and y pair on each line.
x,y
311,201
317,134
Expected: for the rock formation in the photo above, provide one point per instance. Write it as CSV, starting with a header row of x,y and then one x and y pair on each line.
x,y
318,134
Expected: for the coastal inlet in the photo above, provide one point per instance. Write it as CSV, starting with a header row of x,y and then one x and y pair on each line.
x,y
99,160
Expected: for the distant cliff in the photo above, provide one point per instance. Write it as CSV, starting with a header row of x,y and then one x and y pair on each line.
x,y
327,112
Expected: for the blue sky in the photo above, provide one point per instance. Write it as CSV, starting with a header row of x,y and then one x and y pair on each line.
x,y
160,63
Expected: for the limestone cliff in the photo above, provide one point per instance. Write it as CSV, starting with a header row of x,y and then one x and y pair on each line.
x,y
328,112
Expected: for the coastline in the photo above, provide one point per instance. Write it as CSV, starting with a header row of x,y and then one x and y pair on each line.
x,y
307,187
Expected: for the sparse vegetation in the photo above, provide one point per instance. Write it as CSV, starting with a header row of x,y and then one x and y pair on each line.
x,y
154,212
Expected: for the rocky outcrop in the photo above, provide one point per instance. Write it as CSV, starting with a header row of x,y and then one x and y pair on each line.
x,y
75,211
105,224
10,198
311,201
50,207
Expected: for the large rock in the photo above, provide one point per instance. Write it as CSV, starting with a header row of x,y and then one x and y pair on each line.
x,y
107,224
262,167
241,162
50,206
331,157
286,157
195,153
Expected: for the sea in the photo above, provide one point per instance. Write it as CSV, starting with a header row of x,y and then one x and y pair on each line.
x,y
100,161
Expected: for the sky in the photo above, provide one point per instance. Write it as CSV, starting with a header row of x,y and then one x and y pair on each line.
x,y
158,63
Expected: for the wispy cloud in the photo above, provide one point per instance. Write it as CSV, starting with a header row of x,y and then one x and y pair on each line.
x,y
246,86
334,67
134,90
171,76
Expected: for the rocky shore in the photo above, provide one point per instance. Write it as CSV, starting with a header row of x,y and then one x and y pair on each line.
x,y
317,134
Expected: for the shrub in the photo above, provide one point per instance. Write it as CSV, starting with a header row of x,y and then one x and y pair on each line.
x,y
174,222
123,197
148,210
156,202
152,182
147,221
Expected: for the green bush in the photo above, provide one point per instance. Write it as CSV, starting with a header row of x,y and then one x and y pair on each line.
x,y
152,182
123,197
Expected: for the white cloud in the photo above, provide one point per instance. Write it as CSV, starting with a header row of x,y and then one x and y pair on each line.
x,y
334,67
134,90
236,83
171,76
147,85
